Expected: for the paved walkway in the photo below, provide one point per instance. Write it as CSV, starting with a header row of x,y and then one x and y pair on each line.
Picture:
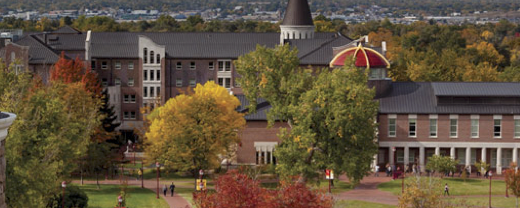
x,y
367,191
175,202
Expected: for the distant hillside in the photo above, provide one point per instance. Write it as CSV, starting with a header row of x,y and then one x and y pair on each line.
x,y
432,7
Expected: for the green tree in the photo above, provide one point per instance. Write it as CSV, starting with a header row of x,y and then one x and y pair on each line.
x,y
482,167
441,164
510,74
512,178
192,132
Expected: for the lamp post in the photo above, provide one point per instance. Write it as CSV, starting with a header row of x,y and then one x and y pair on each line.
x,y
490,176
63,186
157,165
120,200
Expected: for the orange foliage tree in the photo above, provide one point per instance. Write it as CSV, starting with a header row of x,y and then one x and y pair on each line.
x,y
237,190
72,71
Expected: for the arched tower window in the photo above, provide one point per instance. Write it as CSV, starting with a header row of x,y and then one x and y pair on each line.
x,y
145,55
151,57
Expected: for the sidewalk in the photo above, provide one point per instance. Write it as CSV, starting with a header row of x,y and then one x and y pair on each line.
x,y
367,191
175,202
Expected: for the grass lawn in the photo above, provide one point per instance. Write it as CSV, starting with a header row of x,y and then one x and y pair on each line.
x,y
106,196
357,204
457,186
484,201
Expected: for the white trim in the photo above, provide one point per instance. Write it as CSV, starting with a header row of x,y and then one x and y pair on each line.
x,y
497,116
451,144
475,117
516,117
392,115
434,116
454,116
412,116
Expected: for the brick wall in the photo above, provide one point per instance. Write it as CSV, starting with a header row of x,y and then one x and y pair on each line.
x,y
256,131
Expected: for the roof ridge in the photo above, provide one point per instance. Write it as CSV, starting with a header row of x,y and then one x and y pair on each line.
x,y
318,48
45,45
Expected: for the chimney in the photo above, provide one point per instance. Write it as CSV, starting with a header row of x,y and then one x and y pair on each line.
x,y
366,39
45,40
383,46
88,44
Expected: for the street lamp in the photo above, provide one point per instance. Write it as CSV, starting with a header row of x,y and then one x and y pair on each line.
x,y
63,186
490,176
120,200
157,165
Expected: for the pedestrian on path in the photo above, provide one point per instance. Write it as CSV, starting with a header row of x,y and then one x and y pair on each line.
x,y
140,174
165,189
172,188
446,190
376,174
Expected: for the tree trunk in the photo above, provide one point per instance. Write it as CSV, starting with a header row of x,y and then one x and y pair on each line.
x,y
81,175
97,180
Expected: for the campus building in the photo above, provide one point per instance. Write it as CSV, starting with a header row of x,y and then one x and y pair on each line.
x,y
416,119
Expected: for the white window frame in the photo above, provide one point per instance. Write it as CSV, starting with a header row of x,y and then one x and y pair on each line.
x,y
193,65
104,65
118,65
132,98
499,119
456,126
225,65
104,82
412,117
145,91
126,98
158,91
433,126
131,65
158,75
151,77
211,65
178,82
117,82
391,118
477,126
145,75
130,82
193,83
178,65
517,127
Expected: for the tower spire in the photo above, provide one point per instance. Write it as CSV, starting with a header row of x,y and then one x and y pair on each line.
x,y
297,22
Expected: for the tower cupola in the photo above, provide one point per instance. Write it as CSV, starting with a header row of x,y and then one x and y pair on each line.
x,y
297,22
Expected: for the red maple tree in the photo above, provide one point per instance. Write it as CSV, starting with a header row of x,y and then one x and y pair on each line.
x,y
74,71
237,190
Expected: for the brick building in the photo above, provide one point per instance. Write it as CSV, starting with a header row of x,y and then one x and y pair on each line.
x,y
416,119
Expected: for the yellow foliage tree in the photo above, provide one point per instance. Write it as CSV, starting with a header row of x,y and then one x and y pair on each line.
x,y
487,53
196,131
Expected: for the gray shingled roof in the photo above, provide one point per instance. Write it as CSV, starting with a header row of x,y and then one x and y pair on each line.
x,y
318,51
66,30
261,109
470,89
298,13
419,98
38,52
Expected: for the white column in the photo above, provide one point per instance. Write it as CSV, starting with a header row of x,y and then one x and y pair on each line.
x,y
515,155
452,152
406,156
483,158
468,156
437,151
272,155
391,155
499,161
421,158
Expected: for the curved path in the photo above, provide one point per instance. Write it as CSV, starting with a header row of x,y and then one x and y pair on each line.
x,y
175,202
367,191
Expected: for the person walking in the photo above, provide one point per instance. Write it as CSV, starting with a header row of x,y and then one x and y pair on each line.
x,y
446,190
172,188
376,173
165,189
140,173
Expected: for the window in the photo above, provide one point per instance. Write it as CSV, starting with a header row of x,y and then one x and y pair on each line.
x,y
461,156
474,128
152,89
118,65
104,65
220,81
152,75
193,83
400,156
412,122
145,75
151,57
145,91
192,65
104,82
126,99
158,75
130,65
131,82
145,53
517,128
117,81
132,98
178,83
129,115
453,127
507,157
228,83
391,127
433,127
211,65
224,66
93,65
158,58
158,91
497,128
132,115
179,65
